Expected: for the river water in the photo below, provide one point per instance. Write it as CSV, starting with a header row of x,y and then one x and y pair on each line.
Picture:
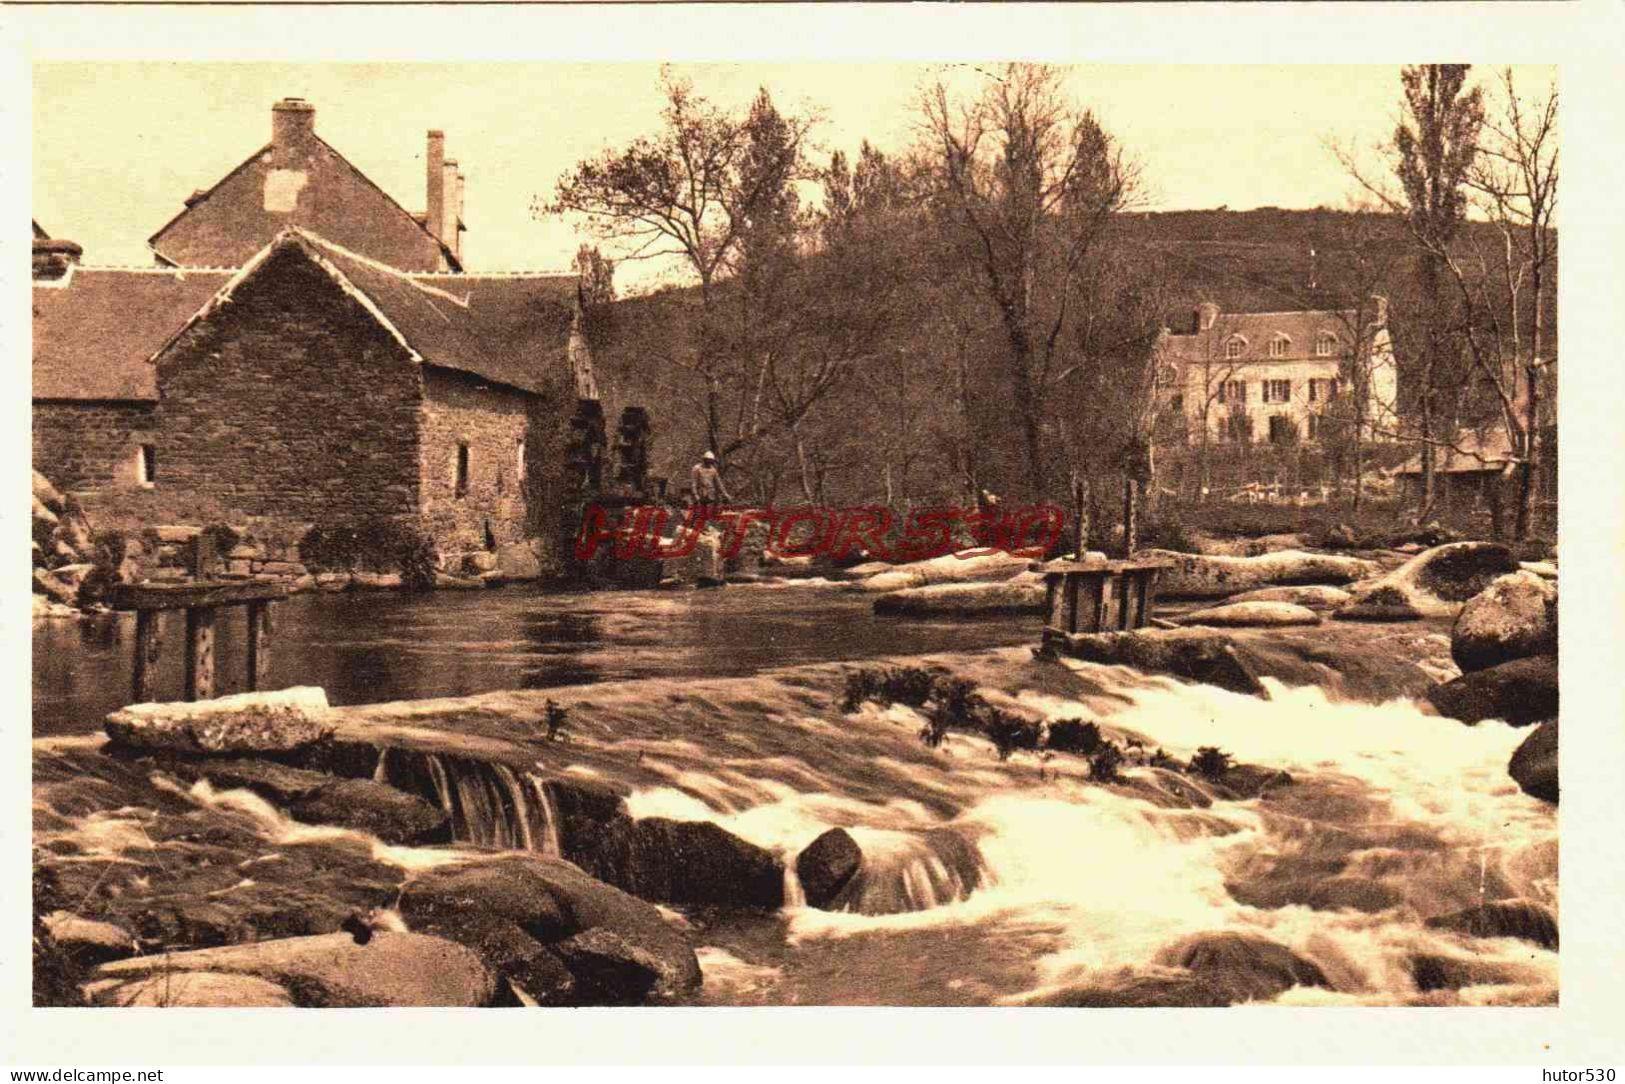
x,y
983,881
370,646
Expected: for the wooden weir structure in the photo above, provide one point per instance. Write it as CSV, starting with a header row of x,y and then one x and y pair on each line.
x,y
1097,596
201,599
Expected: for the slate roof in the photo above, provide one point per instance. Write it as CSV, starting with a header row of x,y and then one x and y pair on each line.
x,y
511,329
95,328
1472,451
1257,330
226,224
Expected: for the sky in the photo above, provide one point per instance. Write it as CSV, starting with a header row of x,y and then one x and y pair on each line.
x,y
118,146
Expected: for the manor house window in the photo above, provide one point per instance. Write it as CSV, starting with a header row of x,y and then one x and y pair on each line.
x,y
1236,428
1322,389
1277,391
1325,345
1234,347
1278,346
1233,391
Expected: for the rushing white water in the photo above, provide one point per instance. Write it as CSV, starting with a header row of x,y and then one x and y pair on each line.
x,y
1395,816
987,881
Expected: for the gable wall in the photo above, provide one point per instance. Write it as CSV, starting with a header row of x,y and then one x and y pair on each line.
x,y
316,190
291,403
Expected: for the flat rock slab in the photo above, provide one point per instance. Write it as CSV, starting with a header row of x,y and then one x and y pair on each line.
x,y
1311,595
1192,575
258,722
1024,594
332,970
193,990
1251,614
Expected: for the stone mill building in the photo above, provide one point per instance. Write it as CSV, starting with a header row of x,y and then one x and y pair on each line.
x,y
307,352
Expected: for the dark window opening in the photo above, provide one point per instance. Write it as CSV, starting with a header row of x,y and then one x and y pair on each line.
x,y
146,464
462,470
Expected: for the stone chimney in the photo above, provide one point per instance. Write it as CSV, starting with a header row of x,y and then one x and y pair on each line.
x,y
53,258
452,188
1379,310
293,127
434,206
1207,314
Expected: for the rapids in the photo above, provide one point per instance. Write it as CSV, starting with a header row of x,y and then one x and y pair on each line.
x,y
1010,882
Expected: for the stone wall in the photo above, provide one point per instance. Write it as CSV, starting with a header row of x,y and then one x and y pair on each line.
x,y
292,404
503,498
90,445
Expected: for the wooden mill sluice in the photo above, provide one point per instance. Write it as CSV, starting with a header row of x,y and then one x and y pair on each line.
x,y
200,599
1096,596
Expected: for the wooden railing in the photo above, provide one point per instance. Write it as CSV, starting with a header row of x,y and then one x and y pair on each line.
x,y
1098,596
200,600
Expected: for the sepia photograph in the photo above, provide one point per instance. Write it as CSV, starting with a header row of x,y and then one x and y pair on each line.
x,y
795,534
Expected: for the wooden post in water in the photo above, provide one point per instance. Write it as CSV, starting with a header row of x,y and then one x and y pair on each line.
x,y
148,639
259,645
199,652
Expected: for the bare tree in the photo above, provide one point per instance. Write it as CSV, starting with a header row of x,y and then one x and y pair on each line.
x,y
691,192
1026,183
1432,152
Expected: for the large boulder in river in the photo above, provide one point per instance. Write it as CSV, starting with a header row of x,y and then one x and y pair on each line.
x,y
518,561
1022,594
826,865
1315,596
1513,618
1198,655
692,862
1520,692
1250,615
1437,581
328,971
1534,763
1192,575
258,722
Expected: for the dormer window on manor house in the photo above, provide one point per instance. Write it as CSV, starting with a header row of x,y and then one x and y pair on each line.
x,y
1234,347
1279,345
1325,346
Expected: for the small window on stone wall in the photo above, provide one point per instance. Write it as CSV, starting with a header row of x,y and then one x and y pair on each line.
x,y
462,470
519,463
146,464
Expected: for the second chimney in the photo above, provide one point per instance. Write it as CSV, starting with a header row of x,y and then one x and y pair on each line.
x,y
293,123
435,201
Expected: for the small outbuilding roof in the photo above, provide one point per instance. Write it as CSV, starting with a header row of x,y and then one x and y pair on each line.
x,y
96,328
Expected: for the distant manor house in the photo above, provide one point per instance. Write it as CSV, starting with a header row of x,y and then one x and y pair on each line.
x,y
309,352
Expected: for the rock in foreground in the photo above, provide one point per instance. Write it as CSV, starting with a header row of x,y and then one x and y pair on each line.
x,y
259,722
1251,615
554,932
328,971
1513,618
1193,654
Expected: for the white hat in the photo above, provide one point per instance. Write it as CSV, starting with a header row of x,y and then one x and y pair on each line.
x,y
709,455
